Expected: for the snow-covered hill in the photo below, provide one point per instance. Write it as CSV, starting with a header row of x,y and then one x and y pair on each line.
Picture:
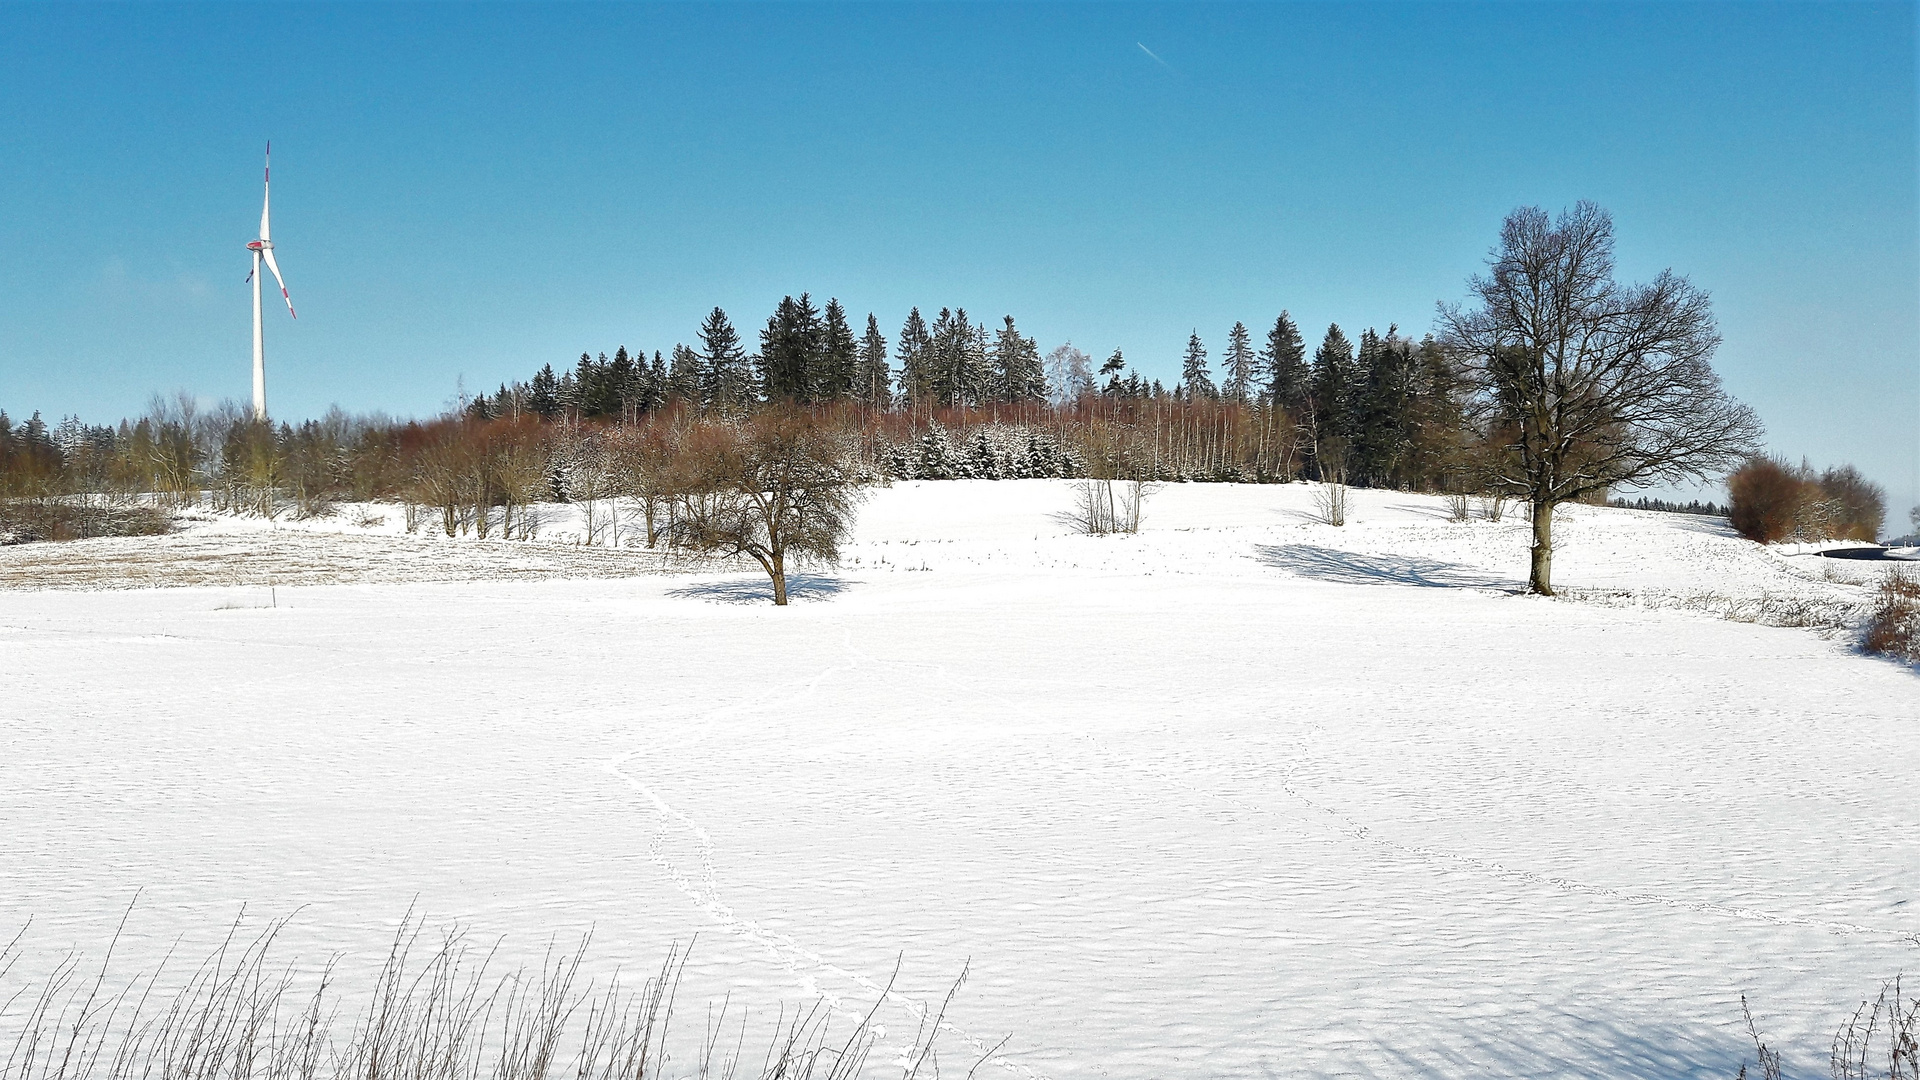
x,y
1242,795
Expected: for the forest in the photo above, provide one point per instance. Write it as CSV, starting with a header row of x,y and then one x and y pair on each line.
x,y
944,400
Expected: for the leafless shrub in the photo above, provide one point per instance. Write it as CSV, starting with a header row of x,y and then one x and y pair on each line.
x,y
1458,507
364,518
1881,1041
1095,511
1493,507
1769,1060
1133,499
1330,502
1893,625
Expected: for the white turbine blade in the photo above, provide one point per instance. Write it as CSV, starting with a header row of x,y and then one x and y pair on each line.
x,y
267,253
266,193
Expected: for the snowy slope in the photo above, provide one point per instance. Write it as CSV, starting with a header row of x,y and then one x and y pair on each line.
x,y
1243,795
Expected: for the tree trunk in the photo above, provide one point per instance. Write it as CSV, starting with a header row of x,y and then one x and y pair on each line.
x,y
1540,580
777,570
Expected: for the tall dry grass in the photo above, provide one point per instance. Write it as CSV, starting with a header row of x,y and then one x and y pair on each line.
x,y
438,1009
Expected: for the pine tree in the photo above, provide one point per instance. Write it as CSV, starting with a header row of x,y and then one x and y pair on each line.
x,y
871,385
839,356
727,376
915,353
1194,379
1115,387
1239,364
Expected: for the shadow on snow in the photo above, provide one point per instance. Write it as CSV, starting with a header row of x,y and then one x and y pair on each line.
x,y
760,590
1350,568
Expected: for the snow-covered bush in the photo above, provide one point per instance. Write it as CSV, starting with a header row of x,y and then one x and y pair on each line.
x,y
1893,629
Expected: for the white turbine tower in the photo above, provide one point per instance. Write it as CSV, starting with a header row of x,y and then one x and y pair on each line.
x,y
263,249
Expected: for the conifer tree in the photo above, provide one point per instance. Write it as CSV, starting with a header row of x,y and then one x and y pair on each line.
x,y
1239,365
790,350
839,356
1115,386
656,384
915,353
543,394
1284,364
1332,402
618,385
871,385
1194,379
684,377
1382,413
726,374
1017,373
958,360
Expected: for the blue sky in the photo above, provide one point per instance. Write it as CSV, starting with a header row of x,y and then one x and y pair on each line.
x,y
469,192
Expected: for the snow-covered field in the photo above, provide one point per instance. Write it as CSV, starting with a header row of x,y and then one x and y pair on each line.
x,y
1243,795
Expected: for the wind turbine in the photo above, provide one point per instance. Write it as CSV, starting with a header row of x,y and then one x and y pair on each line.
x,y
263,249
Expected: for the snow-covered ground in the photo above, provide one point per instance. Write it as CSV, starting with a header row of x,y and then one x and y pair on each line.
x,y
1243,795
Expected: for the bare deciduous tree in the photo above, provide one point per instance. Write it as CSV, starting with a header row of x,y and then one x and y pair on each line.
x,y
776,488
1591,383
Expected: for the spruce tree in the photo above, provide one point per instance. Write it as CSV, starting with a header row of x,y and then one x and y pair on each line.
x,y
839,356
1382,409
656,384
958,361
915,353
871,386
543,394
1194,379
1284,365
683,377
727,376
619,384
1239,364
1331,408
790,350
1017,373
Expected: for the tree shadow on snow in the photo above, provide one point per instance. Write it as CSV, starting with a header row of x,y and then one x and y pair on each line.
x,y
760,590
1350,568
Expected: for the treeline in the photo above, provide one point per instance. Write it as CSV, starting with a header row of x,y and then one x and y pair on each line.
x,y
949,398
1385,411
1693,506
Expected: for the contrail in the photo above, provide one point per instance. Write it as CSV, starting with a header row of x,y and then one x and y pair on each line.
x,y
1156,57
